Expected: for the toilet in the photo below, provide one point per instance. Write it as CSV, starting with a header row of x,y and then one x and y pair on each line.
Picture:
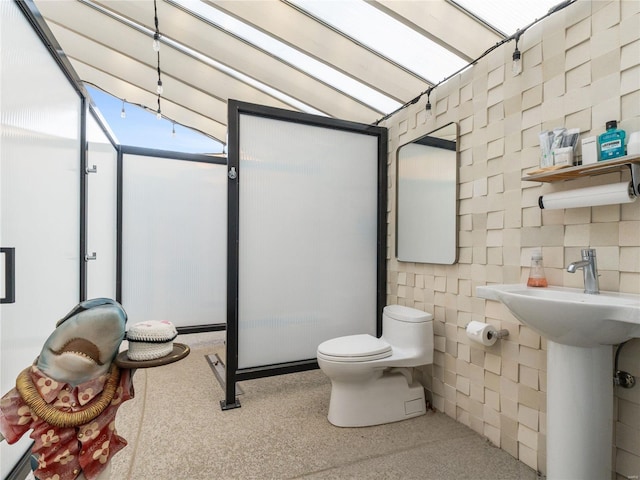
x,y
371,378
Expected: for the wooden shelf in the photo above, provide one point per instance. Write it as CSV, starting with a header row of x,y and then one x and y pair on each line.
x,y
581,171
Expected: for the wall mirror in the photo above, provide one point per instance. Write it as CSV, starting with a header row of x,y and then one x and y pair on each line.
x,y
426,217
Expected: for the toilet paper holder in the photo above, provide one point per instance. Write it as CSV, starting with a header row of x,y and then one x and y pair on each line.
x,y
635,178
495,333
499,333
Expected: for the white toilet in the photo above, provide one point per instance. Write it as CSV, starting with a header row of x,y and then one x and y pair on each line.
x,y
371,382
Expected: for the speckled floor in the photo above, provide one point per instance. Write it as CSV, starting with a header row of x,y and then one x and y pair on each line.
x,y
176,430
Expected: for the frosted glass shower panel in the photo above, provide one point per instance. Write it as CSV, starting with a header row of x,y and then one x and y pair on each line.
x,y
40,117
307,238
102,161
174,240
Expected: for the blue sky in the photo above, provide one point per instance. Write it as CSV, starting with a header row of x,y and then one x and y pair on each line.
x,y
141,128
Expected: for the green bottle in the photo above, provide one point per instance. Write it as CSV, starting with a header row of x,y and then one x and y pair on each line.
x,y
611,142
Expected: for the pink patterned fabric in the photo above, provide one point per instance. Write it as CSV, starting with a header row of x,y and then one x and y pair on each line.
x,y
63,453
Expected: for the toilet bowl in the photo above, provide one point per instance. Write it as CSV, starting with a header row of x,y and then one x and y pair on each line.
x,y
371,379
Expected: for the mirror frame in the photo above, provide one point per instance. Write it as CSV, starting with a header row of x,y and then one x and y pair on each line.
x,y
449,260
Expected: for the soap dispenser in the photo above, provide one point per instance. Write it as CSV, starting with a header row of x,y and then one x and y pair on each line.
x,y
537,277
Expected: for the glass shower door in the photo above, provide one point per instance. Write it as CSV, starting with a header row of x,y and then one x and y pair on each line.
x,y
39,201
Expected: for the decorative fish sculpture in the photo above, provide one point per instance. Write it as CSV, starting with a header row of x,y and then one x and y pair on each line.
x,y
70,395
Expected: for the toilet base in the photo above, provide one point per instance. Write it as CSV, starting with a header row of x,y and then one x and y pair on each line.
x,y
389,398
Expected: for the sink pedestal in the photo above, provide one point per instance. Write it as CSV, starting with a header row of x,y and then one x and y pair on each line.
x,y
581,330
579,411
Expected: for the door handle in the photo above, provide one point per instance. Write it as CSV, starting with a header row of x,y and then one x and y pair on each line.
x,y
9,275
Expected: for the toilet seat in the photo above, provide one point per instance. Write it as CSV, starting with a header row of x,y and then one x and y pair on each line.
x,y
355,348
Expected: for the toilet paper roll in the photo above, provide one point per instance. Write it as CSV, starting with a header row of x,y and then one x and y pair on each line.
x,y
483,333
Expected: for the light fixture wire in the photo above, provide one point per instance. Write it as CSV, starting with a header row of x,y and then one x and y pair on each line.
x,y
156,47
159,90
427,107
156,35
149,109
516,67
515,36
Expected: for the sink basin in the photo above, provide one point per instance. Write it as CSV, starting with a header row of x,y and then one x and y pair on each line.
x,y
568,315
581,329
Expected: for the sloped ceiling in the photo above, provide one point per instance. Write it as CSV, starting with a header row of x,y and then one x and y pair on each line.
x,y
205,60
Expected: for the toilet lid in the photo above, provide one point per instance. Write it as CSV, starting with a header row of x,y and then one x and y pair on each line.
x,y
355,348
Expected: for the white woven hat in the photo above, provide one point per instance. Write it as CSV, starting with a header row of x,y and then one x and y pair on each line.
x,y
150,340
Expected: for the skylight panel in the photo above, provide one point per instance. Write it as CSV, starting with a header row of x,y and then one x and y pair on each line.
x,y
314,68
386,36
301,106
507,16
140,128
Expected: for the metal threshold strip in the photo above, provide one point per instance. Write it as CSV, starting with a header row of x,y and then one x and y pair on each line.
x,y
219,371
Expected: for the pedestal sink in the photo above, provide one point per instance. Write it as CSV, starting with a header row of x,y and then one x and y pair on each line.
x,y
581,329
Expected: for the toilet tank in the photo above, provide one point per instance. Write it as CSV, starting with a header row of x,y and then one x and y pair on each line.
x,y
409,329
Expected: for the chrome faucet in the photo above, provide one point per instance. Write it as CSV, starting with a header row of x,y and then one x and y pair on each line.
x,y
589,268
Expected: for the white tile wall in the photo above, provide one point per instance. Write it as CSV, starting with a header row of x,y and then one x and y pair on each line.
x,y
581,68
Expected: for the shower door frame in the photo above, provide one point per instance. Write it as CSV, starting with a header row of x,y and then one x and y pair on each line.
x,y
235,109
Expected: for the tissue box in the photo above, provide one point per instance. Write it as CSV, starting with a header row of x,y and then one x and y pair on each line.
x,y
633,147
589,150
563,156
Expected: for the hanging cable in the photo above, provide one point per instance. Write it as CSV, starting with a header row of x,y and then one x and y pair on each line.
x,y
123,114
152,110
156,35
156,48
516,67
159,88
427,107
515,36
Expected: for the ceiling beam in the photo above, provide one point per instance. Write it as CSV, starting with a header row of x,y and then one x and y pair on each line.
x,y
444,24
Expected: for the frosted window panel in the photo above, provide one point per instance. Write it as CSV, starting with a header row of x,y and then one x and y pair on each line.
x,y
39,199
174,240
101,213
307,238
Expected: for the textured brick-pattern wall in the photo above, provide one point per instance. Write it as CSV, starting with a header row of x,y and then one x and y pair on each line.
x,y
581,68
